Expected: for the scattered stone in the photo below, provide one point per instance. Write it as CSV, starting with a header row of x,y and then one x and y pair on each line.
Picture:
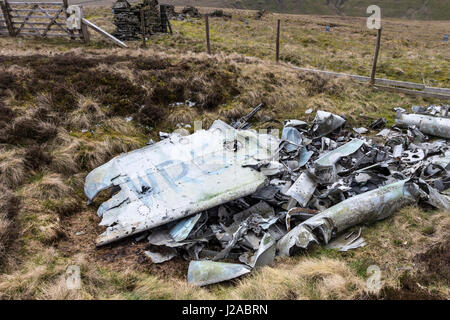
x,y
191,11
260,14
220,14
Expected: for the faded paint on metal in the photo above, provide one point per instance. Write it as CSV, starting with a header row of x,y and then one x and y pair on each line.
x,y
303,189
202,273
178,177
345,150
182,229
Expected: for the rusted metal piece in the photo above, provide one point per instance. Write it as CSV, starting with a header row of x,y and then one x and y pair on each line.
x,y
242,123
304,214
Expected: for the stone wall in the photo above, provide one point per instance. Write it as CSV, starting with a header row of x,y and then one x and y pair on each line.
x,y
127,19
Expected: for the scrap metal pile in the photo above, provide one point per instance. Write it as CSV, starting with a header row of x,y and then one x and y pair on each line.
x,y
231,194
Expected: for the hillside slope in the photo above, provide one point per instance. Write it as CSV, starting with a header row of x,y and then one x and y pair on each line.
x,y
410,9
67,107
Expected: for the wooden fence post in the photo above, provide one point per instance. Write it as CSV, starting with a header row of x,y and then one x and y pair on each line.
x,y
277,56
208,42
163,17
84,32
6,14
144,43
375,58
169,25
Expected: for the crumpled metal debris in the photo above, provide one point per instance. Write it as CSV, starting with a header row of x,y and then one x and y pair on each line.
x,y
177,177
348,241
427,122
326,122
159,257
229,193
364,208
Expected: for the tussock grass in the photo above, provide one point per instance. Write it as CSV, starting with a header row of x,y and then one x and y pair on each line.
x,y
151,288
50,186
9,206
307,278
64,154
402,237
120,126
12,167
87,115
94,153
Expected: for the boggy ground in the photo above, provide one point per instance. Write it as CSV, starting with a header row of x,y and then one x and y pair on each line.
x,y
67,108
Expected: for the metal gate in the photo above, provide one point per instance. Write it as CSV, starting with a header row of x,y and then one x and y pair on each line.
x,y
41,19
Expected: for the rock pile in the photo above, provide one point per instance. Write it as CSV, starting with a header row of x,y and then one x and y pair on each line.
x,y
127,18
170,10
220,14
190,11
260,14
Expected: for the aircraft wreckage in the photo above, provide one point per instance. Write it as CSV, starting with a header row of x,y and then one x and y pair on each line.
x,y
230,193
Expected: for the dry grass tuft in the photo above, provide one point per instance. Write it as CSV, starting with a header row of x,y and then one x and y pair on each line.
x,y
87,115
9,207
151,288
64,153
120,126
25,284
31,128
317,84
12,168
53,186
6,115
36,157
310,278
50,187
96,153
181,114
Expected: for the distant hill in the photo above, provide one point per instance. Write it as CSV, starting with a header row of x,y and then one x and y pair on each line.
x,y
407,9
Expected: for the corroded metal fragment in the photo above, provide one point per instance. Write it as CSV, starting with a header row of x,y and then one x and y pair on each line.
x,y
435,126
364,208
202,273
